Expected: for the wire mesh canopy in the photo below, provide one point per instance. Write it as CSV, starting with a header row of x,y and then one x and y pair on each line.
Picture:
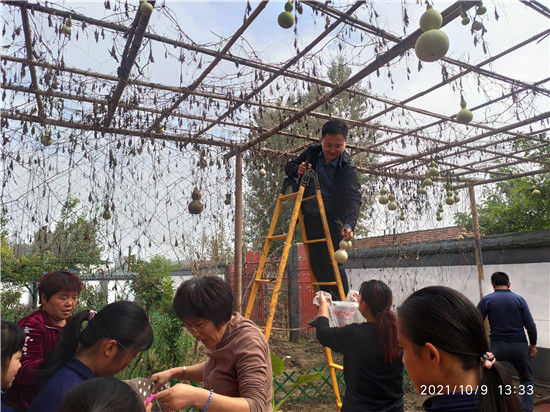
x,y
116,103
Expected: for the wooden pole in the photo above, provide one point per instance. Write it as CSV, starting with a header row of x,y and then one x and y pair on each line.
x,y
237,280
477,243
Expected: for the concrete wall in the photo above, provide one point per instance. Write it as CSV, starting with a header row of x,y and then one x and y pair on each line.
x,y
530,280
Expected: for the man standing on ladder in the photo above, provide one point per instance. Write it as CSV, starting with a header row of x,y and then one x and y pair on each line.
x,y
340,189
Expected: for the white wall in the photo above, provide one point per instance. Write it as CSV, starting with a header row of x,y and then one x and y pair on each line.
x,y
530,280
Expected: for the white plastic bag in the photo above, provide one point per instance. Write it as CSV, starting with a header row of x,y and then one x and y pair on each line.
x,y
341,313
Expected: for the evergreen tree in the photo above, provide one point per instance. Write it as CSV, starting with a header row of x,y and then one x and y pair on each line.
x,y
263,190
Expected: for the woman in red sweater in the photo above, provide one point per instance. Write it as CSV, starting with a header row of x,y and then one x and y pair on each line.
x,y
58,292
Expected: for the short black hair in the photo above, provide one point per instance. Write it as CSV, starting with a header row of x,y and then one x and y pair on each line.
x,y
500,279
204,297
103,394
335,126
53,282
12,342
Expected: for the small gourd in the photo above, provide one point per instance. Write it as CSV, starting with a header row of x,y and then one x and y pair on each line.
x,y
46,138
383,200
438,217
456,197
481,10
392,206
383,191
286,19
465,21
146,8
464,116
262,172
391,197
402,216
195,207
66,30
427,182
535,192
341,256
477,25
345,244
449,200
227,200
422,190
431,19
106,212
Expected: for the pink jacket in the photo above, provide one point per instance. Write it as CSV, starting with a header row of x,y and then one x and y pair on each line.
x,y
40,337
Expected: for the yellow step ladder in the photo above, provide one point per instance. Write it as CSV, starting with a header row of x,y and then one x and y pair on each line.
x,y
310,176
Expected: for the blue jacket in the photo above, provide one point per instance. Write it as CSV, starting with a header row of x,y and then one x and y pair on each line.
x,y
51,394
508,314
345,193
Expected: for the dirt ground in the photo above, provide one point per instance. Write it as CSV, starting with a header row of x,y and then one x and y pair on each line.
x,y
307,354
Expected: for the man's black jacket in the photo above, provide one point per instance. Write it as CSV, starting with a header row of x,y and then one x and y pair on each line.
x,y
345,192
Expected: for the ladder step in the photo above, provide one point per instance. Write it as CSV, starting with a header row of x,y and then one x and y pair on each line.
x,y
325,283
315,240
277,237
336,366
289,196
265,281
308,198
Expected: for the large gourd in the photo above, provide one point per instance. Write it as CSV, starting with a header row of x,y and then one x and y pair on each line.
x,y
286,18
464,116
195,207
433,44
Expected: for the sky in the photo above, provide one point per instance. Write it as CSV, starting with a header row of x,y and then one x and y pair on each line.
x,y
152,207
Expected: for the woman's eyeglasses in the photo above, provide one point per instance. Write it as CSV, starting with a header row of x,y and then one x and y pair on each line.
x,y
196,328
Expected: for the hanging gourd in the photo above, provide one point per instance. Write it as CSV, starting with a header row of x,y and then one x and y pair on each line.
x,y
433,171
465,20
146,8
433,44
464,116
477,25
286,18
438,217
262,172
427,182
66,29
456,197
341,256
402,216
535,192
422,190
195,207
227,200
481,9
383,199
46,138
449,200
106,212
393,204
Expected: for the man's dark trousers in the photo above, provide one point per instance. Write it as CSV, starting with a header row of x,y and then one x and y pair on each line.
x,y
318,253
517,353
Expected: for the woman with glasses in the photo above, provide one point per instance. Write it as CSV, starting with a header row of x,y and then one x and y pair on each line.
x,y
58,293
237,376
104,347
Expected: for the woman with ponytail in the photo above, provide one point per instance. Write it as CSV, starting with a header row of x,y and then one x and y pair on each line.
x,y
103,347
373,370
446,354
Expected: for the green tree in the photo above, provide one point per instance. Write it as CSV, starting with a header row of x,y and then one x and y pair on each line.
x,y
152,287
262,192
517,205
72,245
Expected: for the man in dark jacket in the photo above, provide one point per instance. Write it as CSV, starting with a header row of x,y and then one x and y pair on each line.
x,y
340,189
508,315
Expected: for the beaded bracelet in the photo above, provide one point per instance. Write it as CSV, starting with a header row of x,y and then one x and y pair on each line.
x,y
208,402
